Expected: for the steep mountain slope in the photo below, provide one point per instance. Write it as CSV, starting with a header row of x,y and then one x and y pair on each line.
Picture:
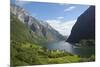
x,y
27,35
22,34
41,28
84,28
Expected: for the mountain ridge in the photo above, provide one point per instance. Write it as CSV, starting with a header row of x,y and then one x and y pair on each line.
x,y
84,27
41,28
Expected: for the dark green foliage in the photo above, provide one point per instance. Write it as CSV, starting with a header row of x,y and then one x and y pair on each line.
x,y
89,42
91,58
57,53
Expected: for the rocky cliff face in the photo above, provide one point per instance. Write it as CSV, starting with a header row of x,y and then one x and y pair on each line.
x,y
41,28
84,27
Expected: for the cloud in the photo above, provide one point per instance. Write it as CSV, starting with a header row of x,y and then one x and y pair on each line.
x,y
63,28
69,8
60,17
63,4
21,2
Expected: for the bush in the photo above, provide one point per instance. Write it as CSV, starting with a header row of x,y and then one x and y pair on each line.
x,y
89,42
91,58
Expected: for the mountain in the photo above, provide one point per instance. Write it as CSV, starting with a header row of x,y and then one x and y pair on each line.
x,y
84,27
34,26
27,34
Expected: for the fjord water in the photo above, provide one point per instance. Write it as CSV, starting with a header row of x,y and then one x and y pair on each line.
x,y
71,48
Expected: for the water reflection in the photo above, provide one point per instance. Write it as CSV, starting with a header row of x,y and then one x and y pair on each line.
x,y
69,47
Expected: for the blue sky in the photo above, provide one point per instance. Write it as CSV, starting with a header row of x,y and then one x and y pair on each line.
x,y
60,16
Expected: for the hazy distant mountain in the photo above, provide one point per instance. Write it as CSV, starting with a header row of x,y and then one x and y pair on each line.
x,y
84,27
35,27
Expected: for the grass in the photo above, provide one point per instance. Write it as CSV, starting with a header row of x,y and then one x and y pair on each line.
x,y
65,59
30,54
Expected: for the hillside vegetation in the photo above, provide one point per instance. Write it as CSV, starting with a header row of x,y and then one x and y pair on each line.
x,y
26,48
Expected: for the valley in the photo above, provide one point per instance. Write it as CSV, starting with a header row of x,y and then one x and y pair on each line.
x,y
35,42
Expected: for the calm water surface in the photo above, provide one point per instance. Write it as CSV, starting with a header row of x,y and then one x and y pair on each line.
x,y
71,48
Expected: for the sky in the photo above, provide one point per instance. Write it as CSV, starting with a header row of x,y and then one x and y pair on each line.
x,y
61,16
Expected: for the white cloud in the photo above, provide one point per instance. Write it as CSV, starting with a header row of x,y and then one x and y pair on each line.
x,y
60,17
21,2
62,4
89,2
63,28
69,8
